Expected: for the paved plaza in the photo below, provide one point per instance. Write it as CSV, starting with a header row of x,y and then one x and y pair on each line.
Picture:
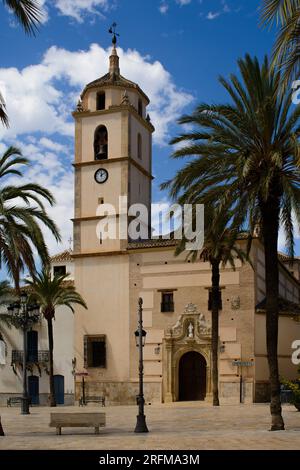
x,y
186,426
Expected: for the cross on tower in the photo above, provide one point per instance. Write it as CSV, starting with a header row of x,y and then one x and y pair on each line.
x,y
112,30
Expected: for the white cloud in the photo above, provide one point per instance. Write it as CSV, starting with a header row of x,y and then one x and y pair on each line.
x,y
53,171
224,8
49,144
183,2
163,8
78,8
41,97
212,16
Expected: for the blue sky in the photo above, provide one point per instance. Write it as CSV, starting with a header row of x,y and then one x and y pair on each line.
x,y
175,50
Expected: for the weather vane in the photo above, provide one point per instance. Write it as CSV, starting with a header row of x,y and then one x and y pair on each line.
x,y
112,30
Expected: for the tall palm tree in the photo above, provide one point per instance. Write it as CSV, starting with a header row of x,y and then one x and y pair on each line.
x,y
28,13
20,220
247,157
5,295
286,53
219,249
52,292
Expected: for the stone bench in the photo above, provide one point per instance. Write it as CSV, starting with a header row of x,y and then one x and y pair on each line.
x,y
78,420
92,399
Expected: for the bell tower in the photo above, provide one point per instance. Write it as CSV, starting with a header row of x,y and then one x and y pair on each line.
x,y
113,142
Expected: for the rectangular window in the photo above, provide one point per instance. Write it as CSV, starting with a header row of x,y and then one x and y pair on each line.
x,y
167,302
60,270
95,351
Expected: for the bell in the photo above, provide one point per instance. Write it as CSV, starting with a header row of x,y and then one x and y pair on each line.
x,y
102,152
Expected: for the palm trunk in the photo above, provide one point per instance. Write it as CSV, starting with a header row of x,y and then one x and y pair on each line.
x,y
270,228
215,282
51,374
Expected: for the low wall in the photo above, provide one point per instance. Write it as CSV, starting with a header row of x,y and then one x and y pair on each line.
x,y
120,393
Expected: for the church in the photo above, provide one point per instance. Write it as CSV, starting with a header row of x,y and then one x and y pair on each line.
x,y
113,158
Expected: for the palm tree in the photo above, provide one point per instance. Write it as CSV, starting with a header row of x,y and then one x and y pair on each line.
x,y
246,157
5,295
20,230
28,13
219,248
52,292
286,52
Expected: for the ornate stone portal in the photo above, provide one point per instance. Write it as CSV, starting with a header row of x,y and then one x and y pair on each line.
x,y
190,333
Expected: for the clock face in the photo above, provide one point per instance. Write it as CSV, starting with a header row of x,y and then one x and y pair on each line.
x,y
101,175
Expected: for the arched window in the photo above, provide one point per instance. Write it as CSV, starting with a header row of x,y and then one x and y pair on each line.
x,y
101,143
140,107
139,146
100,100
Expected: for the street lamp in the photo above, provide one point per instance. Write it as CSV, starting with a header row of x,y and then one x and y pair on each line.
x,y
140,338
24,316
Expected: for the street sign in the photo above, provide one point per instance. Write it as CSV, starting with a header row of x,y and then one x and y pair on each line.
x,y
81,374
242,363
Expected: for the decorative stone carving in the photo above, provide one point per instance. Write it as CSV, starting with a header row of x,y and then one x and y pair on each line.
x,y
190,309
235,302
191,332
204,328
79,108
190,313
125,100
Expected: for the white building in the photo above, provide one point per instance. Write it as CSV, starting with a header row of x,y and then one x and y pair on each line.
x,y
11,353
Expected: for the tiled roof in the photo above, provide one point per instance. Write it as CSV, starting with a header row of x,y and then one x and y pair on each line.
x,y
151,243
63,256
161,242
286,307
114,80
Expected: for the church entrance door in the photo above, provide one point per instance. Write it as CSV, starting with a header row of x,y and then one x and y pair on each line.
x,y
192,377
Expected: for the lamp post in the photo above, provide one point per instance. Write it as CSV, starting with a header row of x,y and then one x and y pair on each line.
x,y
140,337
24,316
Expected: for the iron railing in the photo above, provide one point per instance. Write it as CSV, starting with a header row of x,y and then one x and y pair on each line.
x,y
36,357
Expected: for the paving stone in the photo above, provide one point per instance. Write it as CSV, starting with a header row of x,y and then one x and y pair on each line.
x,y
185,425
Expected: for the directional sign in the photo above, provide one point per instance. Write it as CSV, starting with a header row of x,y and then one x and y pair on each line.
x,y
242,363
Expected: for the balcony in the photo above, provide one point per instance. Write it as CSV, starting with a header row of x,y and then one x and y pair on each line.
x,y
39,359
32,357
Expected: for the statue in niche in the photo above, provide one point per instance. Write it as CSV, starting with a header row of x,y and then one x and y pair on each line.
x,y
191,330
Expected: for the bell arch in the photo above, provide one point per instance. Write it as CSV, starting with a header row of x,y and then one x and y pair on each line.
x,y
101,143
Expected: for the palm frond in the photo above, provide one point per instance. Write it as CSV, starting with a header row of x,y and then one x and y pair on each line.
x,y
27,12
